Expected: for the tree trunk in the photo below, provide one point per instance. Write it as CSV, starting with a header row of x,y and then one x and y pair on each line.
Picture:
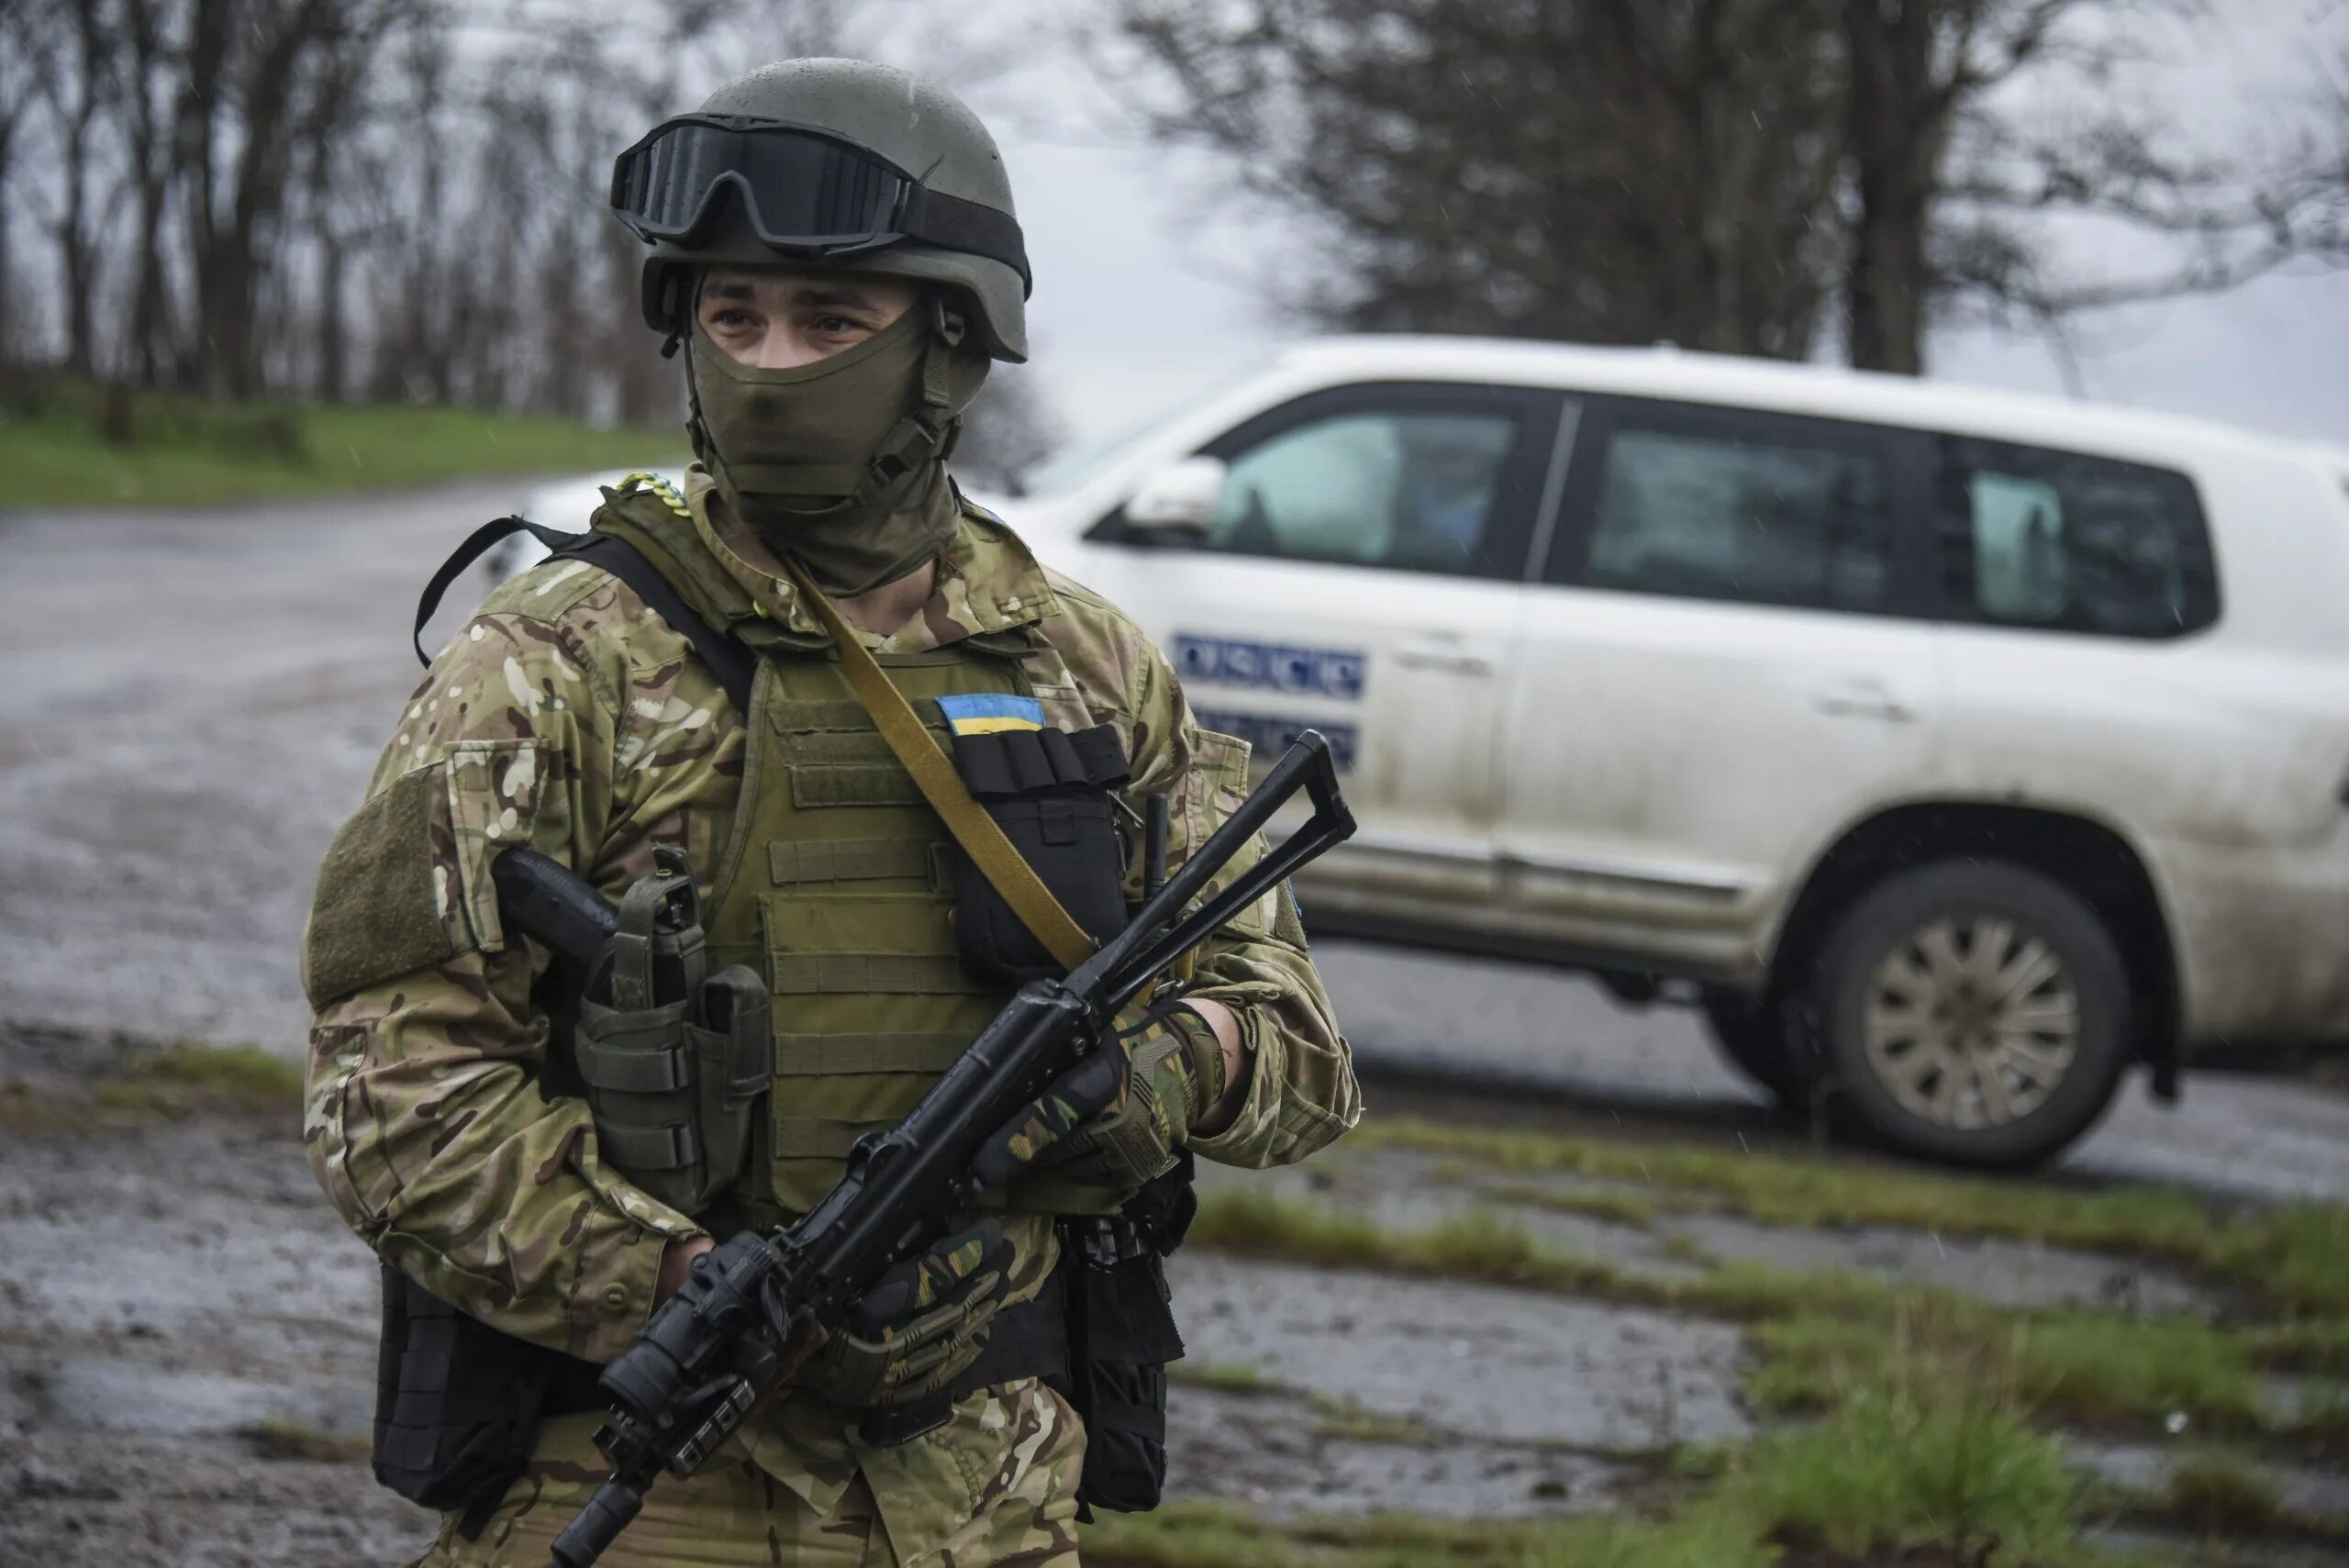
x,y
334,326
1895,124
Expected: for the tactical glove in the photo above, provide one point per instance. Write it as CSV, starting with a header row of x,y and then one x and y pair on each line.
x,y
920,1328
1118,1118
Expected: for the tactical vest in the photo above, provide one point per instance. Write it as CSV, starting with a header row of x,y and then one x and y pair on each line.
x,y
834,883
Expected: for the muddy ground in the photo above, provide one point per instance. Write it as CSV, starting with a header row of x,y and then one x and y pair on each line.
x,y
185,1330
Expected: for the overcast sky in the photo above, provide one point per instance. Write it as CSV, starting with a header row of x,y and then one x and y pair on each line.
x,y
1147,292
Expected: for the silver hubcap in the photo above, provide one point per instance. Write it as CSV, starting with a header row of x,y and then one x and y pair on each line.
x,y
1971,1023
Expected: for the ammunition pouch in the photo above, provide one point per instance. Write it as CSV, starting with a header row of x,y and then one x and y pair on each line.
x,y
1121,1334
457,1402
1049,791
672,1060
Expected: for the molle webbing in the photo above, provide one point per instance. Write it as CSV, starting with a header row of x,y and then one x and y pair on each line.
x,y
981,838
818,1056
846,974
854,860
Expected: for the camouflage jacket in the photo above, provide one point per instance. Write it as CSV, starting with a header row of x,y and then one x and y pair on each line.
x,y
568,717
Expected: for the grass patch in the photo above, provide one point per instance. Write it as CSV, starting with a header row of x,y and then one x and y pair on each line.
x,y
1958,1469
174,450
2297,1255
1930,1473
2104,1371
2220,1494
1224,1377
1820,1336
1342,1418
1610,1204
29,1112
282,1440
1478,1245
182,1080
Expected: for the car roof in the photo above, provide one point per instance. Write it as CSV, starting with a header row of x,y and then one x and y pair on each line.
x,y
1823,391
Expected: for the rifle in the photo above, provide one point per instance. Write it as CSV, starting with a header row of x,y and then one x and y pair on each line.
x,y
754,1308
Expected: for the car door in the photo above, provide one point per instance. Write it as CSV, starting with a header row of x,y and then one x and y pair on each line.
x,y
1363,575
1725,663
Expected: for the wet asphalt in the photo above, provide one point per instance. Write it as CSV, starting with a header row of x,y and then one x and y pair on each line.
x,y
196,699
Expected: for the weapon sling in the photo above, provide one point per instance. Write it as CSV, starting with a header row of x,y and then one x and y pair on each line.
x,y
934,774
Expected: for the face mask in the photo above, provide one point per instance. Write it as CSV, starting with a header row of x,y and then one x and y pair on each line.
x,y
792,450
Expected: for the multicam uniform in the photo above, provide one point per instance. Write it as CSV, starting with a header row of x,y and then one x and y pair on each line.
x,y
569,717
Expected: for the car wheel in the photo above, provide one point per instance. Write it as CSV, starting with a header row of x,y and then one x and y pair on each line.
x,y
1753,1036
1974,1014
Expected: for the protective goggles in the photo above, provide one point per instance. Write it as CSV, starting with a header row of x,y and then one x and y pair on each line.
x,y
802,192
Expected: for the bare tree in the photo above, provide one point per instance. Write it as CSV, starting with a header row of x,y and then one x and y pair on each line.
x,y
1958,192
403,198
74,85
1719,173
1008,429
28,49
1610,171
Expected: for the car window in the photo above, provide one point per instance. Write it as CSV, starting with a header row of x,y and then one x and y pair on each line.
x,y
2068,542
1419,490
1729,510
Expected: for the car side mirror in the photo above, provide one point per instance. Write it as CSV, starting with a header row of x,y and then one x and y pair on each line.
x,y
1179,503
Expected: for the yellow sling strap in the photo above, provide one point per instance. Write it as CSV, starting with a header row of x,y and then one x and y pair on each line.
x,y
944,788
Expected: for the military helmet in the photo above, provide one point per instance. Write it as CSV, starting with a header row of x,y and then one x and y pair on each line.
x,y
838,162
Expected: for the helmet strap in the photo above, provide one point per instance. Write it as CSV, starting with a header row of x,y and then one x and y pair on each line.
x,y
929,433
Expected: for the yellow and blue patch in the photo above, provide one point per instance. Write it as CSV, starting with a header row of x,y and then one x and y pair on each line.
x,y
989,713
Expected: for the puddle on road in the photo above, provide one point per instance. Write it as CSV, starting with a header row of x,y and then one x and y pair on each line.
x,y
1508,1365
95,1390
2146,1467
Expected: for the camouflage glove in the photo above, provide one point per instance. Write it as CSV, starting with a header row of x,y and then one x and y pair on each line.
x,y
920,1328
1117,1118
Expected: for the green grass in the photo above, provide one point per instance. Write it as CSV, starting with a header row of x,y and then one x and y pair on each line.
x,y
182,1080
282,1440
185,452
145,1083
1224,1377
1935,1466
1611,1205
2295,1255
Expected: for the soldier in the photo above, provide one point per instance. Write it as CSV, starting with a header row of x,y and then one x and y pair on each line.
x,y
834,248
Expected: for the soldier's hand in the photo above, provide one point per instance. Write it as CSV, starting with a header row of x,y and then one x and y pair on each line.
x,y
920,1326
1161,1071
678,1265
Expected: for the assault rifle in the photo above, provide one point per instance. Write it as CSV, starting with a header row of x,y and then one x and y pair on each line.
x,y
754,1308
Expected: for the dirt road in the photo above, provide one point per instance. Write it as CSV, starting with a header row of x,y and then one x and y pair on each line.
x,y
199,700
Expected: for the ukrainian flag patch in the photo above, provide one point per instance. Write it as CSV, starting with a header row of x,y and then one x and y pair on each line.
x,y
987,713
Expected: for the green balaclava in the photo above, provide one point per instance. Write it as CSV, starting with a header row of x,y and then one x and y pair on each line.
x,y
840,464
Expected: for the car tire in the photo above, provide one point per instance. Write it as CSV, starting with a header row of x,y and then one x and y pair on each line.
x,y
1972,1013
1754,1037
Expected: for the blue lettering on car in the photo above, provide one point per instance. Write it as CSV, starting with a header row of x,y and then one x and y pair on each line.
x,y
1270,734
1270,666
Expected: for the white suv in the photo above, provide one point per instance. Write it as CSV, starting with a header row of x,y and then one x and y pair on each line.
x,y
1955,748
